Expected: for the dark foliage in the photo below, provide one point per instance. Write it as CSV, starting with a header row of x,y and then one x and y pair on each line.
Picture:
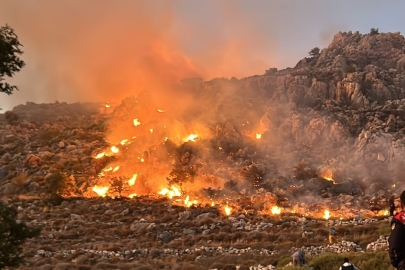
x,y
304,171
11,117
314,52
12,236
373,31
10,49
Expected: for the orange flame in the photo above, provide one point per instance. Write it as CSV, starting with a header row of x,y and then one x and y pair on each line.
x,y
275,210
114,149
136,122
101,191
191,138
100,155
327,176
108,169
160,111
228,210
116,168
131,181
258,136
123,142
107,106
326,214
132,195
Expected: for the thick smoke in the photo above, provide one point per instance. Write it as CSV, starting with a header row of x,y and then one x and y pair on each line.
x,y
81,51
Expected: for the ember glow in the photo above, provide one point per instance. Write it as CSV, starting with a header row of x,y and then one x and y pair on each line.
x,y
172,192
131,181
107,106
101,191
136,122
132,195
228,210
191,138
123,142
100,155
258,136
326,214
114,149
160,111
327,176
275,210
116,168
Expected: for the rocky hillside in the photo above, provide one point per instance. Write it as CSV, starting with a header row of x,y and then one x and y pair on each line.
x,y
275,139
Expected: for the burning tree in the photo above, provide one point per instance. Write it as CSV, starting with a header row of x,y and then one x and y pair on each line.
x,y
118,185
181,175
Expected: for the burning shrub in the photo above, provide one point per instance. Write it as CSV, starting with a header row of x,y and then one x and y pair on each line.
x,y
60,184
117,185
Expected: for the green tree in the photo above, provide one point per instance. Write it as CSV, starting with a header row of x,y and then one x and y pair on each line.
x,y
314,52
12,235
10,49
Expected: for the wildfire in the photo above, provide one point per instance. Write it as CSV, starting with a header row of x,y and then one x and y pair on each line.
x,y
132,195
151,130
228,210
258,136
393,185
136,122
174,191
327,176
326,214
107,106
191,138
275,210
131,181
160,111
116,168
100,155
114,149
101,191
386,213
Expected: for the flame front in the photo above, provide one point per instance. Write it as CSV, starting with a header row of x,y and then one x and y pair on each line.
x,y
258,136
132,195
228,210
275,210
101,191
326,214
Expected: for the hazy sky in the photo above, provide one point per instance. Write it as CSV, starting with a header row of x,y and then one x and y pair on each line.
x,y
99,50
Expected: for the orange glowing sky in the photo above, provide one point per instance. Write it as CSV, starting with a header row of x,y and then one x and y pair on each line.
x,y
82,50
